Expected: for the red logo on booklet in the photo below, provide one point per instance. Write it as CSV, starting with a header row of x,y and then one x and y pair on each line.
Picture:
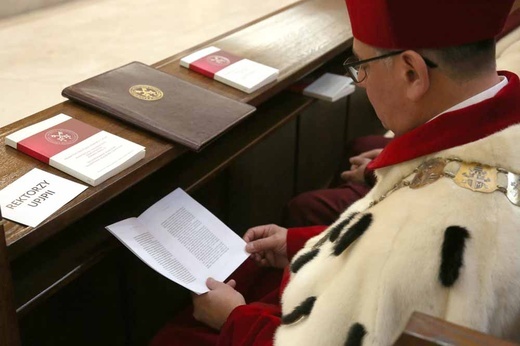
x,y
51,141
212,63
218,60
61,136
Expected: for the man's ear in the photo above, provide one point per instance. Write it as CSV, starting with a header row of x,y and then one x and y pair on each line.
x,y
414,71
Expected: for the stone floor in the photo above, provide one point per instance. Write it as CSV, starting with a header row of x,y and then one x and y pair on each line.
x,y
46,50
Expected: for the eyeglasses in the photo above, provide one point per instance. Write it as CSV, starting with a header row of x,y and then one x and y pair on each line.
x,y
354,66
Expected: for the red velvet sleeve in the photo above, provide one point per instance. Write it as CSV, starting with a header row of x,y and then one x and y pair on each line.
x,y
256,323
251,324
297,237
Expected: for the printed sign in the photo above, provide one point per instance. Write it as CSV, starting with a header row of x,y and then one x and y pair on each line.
x,y
35,196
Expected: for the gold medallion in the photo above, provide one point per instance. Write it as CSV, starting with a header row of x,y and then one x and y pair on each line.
x,y
477,177
146,92
428,172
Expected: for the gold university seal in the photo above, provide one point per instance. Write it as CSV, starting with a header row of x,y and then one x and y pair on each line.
x,y
146,92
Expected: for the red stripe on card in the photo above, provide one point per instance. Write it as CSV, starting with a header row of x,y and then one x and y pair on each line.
x,y
203,71
214,62
31,152
56,139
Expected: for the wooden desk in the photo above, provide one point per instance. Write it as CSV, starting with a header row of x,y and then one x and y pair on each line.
x,y
47,258
426,330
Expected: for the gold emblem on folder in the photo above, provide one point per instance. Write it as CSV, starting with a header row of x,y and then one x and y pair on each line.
x,y
146,92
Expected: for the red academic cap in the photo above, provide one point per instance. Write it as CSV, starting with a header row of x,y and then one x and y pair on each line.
x,y
413,24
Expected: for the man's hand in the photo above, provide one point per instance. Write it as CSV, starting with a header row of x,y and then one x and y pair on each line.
x,y
358,163
268,245
214,307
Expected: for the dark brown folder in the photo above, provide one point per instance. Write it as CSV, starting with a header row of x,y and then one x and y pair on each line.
x,y
161,103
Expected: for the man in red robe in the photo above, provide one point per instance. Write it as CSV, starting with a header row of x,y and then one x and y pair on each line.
x,y
323,206
432,82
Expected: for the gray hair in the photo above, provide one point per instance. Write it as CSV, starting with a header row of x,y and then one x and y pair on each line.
x,y
462,63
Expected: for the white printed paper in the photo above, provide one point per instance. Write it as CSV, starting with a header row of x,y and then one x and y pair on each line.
x,y
183,241
98,157
36,195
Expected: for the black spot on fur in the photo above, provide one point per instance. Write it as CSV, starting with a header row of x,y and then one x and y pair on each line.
x,y
354,232
336,230
452,254
303,259
304,309
356,334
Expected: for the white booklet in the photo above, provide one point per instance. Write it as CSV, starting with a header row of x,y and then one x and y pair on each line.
x,y
182,240
330,87
76,148
225,67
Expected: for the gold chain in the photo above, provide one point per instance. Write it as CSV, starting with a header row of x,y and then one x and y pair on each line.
x,y
473,176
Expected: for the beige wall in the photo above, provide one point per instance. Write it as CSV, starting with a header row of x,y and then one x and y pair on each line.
x,y
47,50
13,7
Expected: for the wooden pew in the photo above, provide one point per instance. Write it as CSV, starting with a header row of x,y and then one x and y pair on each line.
x,y
425,330
53,260
9,334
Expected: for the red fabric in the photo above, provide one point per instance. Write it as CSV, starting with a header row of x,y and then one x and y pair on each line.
x,y
456,128
297,237
322,207
254,323
256,285
412,24
363,144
